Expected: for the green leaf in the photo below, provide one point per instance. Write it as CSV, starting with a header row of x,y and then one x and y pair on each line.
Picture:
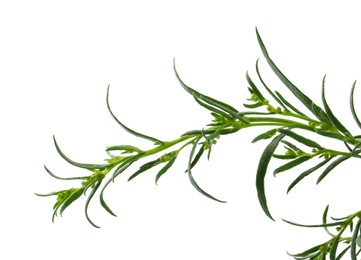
x,y
125,148
353,241
80,165
288,104
334,248
193,182
121,168
49,194
102,201
308,253
197,157
291,146
352,105
254,88
343,252
300,138
61,178
265,135
331,134
88,201
211,108
317,111
319,225
329,113
72,197
262,170
256,105
324,221
268,89
284,156
156,141
214,102
145,167
332,166
165,168
292,164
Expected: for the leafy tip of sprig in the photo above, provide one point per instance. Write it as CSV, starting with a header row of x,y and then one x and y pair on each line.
x,y
284,120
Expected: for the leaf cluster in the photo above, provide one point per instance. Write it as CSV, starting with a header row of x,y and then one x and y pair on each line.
x,y
287,125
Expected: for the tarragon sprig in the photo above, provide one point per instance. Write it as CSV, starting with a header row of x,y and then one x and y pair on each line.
x,y
286,127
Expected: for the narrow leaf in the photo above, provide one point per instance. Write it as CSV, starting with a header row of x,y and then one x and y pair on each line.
x,y
61,178
329,113
330,134
292,164
214,102
125,148
265,135
121,168
300,138
343,252
288,104
334,248
251,106
295,91
94,190
332,166
268,89
211,108
254,87
319,225
353,241
165,169
262,170
352,105
291,146
127,128
197,157
284,156
80,165
193,182
72,197
144,168
306,254
324,221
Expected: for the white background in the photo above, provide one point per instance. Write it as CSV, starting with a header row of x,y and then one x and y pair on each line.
x,y
56,60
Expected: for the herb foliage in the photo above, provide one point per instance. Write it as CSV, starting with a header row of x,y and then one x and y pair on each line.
x,y
286,127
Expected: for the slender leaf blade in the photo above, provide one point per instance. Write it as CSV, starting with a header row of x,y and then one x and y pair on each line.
x,y
80,165
262,170
343,252
165,168
72,197
94,190
289,105
193,182
254,87
329,112
318,112
61,178
155,140
144,168
352,106
266,135
300,138
291,164
268,89
333,249
353,241
324,221
332,166
333,224
306,173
